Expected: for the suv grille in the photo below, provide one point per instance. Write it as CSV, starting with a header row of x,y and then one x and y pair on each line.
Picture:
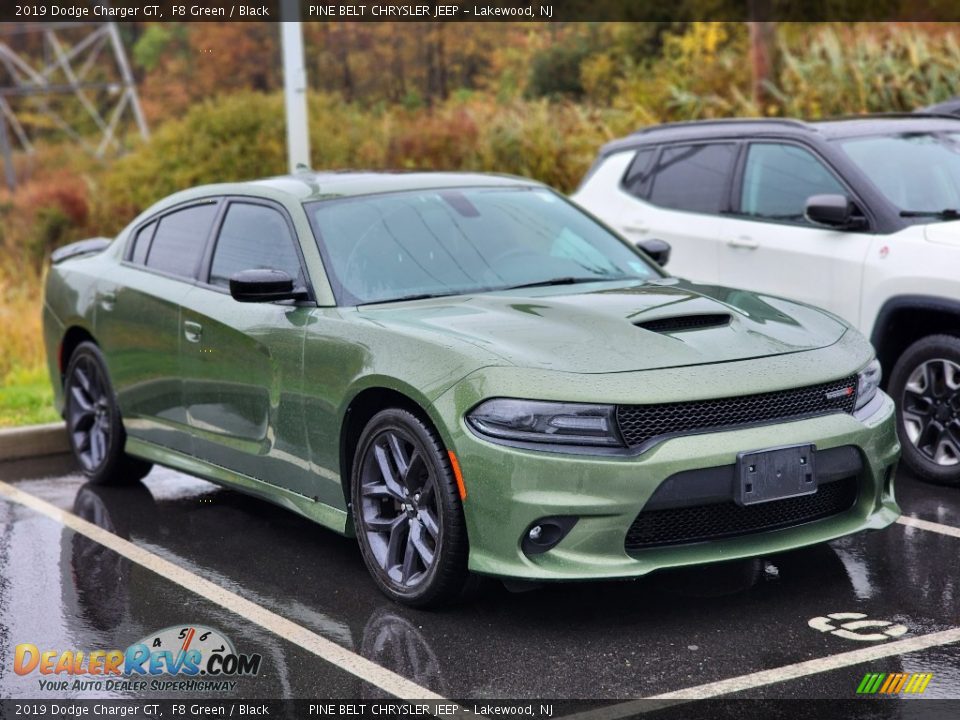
x,y
640,424
727,519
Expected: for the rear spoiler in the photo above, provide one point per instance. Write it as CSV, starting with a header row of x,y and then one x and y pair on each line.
x,y
82,247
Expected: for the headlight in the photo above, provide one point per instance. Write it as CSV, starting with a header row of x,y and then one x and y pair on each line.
x,y
868,382
546,422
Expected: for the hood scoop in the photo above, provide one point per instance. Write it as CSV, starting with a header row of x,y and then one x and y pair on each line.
x,y
684,323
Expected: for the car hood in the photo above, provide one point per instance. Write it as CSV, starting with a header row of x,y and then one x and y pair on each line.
x,y
598,328
945,233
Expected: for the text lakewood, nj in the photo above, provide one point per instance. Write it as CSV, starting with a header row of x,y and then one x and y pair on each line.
x,y
427,11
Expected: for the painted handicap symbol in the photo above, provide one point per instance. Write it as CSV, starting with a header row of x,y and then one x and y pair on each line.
x,y
850,626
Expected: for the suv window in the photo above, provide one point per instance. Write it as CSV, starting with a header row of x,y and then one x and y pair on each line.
x,y
141,243
637,180
180,239
778,178
253,237
693,177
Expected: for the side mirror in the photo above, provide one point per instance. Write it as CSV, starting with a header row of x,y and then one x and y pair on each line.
x,y
834,211
658,250
264,286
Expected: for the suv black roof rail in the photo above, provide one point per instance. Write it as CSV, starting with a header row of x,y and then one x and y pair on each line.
x,y
893,116
726,121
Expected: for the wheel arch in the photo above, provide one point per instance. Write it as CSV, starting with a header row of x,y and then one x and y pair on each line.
x,y
72,337
363,405
904,319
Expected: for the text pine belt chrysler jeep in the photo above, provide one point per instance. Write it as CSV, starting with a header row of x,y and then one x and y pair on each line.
x,y
860,216
468,373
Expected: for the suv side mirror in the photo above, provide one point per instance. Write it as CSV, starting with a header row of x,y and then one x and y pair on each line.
x,y
264,285
834,211
658,250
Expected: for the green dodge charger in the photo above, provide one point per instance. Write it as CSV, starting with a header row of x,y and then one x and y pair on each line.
x,y
469,374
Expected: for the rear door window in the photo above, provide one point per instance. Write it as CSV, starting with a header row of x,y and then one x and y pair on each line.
x,y
695,178
779,177
179,241
141,243
637,180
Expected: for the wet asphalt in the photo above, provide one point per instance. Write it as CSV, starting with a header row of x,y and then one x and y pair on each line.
x,y
603,641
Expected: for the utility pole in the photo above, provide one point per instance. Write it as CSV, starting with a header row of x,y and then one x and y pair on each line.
x,y
294,85
763,51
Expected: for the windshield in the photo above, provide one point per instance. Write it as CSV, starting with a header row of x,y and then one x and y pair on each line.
x,y
917,172
464,240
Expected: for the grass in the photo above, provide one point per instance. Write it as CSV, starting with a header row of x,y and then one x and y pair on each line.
x,y
26,398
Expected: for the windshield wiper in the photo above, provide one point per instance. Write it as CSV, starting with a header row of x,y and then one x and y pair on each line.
x,y
402,298
947,214
561,281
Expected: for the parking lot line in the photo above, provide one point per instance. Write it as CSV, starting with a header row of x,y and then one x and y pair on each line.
x,y
328,650
762,678
931,526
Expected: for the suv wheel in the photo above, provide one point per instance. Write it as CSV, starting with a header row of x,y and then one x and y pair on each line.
x,y
926,386
93,421
407,511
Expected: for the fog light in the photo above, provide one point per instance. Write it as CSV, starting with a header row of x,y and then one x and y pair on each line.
x,y
545,533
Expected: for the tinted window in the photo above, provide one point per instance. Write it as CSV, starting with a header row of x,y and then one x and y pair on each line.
x,y
179,241
141,243
778,179
915,171
637,180
253,236
693,177
467,240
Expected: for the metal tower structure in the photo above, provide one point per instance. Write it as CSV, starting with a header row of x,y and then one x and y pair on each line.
x,y
82,62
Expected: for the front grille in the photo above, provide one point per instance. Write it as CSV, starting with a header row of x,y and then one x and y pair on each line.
x,y
674,526
682,323
639,424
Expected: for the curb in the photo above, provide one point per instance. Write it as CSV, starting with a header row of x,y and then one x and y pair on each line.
x,y
33,441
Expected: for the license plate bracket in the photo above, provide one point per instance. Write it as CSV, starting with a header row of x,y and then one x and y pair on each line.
x,y
776,474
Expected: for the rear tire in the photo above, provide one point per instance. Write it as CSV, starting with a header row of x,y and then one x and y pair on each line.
x,y
925,384
407,511
94,425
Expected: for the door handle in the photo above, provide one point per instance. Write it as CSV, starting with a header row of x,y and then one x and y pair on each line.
x,y
743,242
192,331
108,300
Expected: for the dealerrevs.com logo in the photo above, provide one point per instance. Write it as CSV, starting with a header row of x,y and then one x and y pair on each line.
x,y
178,658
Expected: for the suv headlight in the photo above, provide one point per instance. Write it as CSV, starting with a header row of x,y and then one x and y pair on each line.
x,y
868,382
546,422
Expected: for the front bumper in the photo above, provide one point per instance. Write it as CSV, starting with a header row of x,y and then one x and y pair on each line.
x,y
508,489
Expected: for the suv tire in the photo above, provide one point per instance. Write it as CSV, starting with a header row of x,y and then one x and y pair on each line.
x,y
925,384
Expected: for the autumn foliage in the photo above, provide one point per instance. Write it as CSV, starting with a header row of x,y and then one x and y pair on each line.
x,y
526,99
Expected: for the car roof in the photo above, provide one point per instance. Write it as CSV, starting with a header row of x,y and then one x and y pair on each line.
x,y
833,128
308,185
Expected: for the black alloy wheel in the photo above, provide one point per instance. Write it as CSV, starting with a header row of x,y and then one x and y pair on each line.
x,y
926,385
93,421
407,511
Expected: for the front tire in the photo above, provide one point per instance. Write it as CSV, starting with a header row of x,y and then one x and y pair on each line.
x,y
93,420
926,386
407,511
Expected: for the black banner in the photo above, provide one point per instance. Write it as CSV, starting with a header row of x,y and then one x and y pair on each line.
x,y
735,709
70,11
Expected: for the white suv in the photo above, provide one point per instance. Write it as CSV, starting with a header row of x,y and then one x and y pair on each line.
x,y
860,216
